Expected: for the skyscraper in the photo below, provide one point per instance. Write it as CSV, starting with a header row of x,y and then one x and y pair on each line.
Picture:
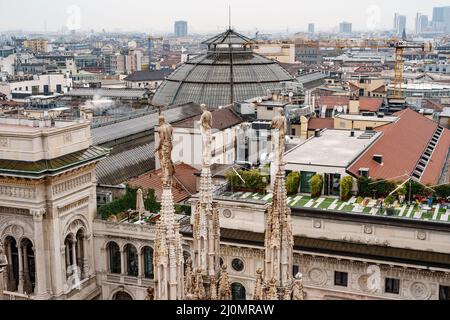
x,y
181,29
345,27
421,23
441,19
311,28
399,24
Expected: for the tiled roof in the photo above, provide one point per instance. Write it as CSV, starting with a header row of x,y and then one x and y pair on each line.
x,y
432,104
332,101
122,166
370,104
402,145
380,89
320,123
184,184
222,119
147,75
41,168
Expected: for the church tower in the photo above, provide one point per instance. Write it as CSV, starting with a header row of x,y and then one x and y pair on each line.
x,y
168,254
206,228
279,240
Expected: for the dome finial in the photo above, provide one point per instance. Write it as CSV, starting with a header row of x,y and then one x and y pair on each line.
x,y
229,17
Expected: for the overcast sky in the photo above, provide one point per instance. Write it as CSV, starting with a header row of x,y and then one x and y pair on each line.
x,y
206,15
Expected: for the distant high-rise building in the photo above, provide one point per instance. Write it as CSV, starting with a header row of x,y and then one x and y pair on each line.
x,y
399,23
345,27
421,23
441,19
181,29
311,28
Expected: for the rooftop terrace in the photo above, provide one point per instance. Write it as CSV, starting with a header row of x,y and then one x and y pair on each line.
x,y
335,148
437,213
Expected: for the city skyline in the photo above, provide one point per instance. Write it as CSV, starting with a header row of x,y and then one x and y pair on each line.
x,y
203,16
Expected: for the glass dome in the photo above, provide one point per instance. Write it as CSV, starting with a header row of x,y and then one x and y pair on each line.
x,y
229,72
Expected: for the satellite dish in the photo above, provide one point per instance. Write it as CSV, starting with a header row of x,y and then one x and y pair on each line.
x,y
291,94
340,109
259,100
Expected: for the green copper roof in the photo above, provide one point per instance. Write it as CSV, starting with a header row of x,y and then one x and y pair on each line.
x,y
50,167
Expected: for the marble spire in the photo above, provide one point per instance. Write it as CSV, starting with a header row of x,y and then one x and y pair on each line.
x,y
206,228
279,240
168,253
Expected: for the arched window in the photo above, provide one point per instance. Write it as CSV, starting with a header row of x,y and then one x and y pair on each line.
x,y
28,268
132,260
69,251
238,291
148,262
13,264
122,296
80,249
114,257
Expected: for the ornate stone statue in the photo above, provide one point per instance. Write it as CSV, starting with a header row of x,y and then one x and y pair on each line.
x,y
224,285
200,288
205,128
150,294
206,119
259,286
188,278
272,292
279,124
164,151
213,288
298,292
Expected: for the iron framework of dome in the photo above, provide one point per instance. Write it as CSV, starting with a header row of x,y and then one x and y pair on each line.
x,y
229,72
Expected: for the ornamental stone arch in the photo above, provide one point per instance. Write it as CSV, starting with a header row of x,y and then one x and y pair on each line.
x,y
120,290
74,225
17,229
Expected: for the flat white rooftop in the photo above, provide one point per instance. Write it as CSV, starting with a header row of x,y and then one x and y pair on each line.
x,y
334,148
357,117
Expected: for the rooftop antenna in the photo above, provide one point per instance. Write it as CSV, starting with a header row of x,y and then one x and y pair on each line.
x,y
229,17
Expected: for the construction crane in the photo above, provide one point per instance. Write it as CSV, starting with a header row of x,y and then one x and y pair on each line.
x,y
151,46
398,45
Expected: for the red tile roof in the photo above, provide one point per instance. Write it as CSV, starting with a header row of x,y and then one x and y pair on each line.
x,y
320,123
370,104
222,119
432,104
402,145
332,101
184,184
380,89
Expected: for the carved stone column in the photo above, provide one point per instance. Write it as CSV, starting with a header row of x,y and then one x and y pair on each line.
x,y
11,281
85,263
2,283
141,273
123,258
19,254
27,287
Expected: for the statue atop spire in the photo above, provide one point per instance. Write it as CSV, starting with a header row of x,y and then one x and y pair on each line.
x,y
206,228
168,254
279,240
